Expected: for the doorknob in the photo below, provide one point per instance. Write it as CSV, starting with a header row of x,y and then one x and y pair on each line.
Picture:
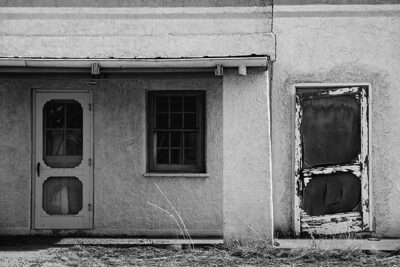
x,y
38,169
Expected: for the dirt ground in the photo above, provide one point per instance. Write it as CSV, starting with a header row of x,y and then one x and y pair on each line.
x,y
46,254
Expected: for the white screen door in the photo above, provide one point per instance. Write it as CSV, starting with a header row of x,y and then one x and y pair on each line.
x,y
63,160
331,160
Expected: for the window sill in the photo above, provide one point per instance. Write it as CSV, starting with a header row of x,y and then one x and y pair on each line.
x,y
176,175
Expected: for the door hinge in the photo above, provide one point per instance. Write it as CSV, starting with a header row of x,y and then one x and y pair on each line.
x,y
90,106
90,162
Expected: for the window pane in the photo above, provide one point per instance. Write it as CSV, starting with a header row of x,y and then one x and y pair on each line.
x,y
176,103
190,139
62,196
328,194
190,156
162,139
74,142
161,104
190,104
176,156
54,142
162,156
162,120
54,114
74,115
176,139
176,121
190,121
331,130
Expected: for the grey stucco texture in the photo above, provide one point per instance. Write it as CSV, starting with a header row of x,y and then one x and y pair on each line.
x,y
328,49
15,156
121,193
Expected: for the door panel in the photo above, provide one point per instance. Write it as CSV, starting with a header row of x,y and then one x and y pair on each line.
x,y
331,160
63,155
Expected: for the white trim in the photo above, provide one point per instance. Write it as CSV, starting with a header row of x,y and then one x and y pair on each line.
x,y
259,61
176,175
330,8
327,85
133,10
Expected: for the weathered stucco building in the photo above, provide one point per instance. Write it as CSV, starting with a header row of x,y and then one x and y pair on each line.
x,y
249,118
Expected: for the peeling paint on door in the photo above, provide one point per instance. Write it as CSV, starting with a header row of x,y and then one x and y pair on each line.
x,y
337,201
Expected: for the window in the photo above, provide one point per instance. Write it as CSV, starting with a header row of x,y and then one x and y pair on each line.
x,y
176,131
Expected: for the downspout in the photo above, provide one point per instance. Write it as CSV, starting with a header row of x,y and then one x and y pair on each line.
x,y
270,79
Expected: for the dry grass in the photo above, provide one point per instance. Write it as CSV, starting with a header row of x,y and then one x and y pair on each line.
x,y
238,255
175,216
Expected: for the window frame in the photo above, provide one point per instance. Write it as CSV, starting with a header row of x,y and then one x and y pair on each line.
x,y
152,166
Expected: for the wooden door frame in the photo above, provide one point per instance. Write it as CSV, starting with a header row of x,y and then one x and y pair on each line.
x,y
34,91
296,221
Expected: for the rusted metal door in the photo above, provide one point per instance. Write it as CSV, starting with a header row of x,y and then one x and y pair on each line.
x,y
331,159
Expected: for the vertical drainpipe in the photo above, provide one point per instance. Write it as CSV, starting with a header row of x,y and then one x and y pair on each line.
x,y
270,75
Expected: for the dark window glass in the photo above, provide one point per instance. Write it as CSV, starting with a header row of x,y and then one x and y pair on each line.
x,y
190,121
163,139
74,142
176,104
162,156
190,156
190,139
176,121
54,142
331,130
62,133
176,139
74,115
162,121
162,103
176,130
190,104
54,114
176,156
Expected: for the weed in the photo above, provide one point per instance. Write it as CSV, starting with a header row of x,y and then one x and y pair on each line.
x,y
179,222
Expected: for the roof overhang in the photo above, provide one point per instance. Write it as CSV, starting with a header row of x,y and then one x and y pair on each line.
x,y
93,66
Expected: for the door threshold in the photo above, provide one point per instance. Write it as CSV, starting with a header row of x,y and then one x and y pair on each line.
x,y
343,244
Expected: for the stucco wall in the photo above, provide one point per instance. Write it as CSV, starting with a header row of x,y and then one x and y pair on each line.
x,y
247,157
130,29
121,192
340,44
15,157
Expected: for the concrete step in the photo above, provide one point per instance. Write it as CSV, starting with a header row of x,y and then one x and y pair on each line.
x,y
135,241
362,244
